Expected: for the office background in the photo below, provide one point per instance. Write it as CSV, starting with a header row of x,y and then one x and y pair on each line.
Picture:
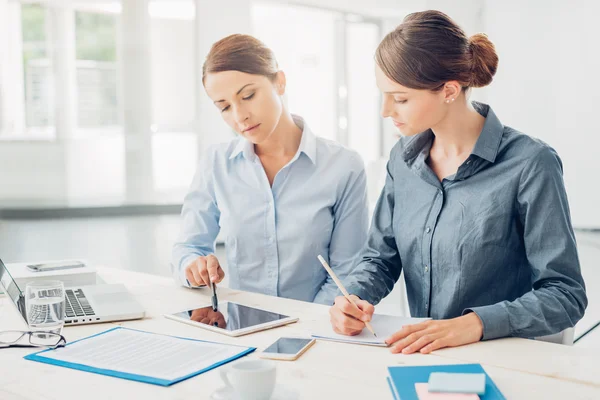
x,y
103,116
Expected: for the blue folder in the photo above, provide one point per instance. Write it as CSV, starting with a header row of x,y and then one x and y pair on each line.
x,y
392,389
39,357
402,380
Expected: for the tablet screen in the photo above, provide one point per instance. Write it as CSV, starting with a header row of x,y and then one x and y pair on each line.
x,y
230,316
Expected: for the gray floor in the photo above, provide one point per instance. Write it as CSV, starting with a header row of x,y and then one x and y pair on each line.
x,y
143,244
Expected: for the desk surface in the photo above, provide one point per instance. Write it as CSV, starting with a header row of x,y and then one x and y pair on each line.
x,y
522,369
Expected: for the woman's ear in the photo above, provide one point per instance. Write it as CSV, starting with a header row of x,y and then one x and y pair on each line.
x,y
280,83
451,91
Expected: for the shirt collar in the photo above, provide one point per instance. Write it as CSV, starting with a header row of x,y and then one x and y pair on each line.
x,y
308,143
487,144
491,135
243,146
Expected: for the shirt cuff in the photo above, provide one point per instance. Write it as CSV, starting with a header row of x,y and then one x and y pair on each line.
x,y
495,320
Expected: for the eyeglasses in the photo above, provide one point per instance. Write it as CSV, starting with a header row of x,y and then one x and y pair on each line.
x,y
36,339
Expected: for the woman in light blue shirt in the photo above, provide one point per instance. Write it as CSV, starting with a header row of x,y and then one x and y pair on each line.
x,y
280,194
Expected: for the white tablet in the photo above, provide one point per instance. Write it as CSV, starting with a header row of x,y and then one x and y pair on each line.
x,y
232,319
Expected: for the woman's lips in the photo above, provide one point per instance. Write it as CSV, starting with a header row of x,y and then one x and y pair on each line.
x,y
251,128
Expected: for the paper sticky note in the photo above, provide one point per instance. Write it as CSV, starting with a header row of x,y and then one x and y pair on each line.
x,y
456,383
424,394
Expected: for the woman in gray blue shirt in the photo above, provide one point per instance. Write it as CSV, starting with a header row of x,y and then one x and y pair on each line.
x,y
473,211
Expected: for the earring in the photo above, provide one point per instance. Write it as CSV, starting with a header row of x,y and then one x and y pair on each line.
x,y
452,99
447,101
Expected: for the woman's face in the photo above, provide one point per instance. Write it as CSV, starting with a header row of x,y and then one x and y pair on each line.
x,y
412,110
250,104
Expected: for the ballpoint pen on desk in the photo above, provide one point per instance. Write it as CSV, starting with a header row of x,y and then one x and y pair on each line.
x,y
342,288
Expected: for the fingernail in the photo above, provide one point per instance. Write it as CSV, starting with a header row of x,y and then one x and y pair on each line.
x,y
213,278
365,318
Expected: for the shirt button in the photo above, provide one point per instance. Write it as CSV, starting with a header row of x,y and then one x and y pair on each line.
x,y
426,305
468,162
427,268
428,230
440,191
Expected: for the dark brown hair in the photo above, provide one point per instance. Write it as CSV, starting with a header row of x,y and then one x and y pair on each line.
x,y
242,53
429,49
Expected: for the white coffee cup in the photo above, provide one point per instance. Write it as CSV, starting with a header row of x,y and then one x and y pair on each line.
x,y
250,379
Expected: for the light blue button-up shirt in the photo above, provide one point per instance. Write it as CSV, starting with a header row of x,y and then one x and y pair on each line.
x,y
317,205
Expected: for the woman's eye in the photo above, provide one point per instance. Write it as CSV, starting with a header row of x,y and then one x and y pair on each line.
x,y
248,97
399,101
225,109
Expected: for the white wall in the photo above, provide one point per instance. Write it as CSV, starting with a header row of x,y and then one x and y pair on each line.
x,y
31,171
547,86
95,170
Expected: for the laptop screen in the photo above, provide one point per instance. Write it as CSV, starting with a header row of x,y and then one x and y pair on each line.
x,y
12,290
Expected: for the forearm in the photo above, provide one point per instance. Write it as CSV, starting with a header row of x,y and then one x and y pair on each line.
x,y
541,312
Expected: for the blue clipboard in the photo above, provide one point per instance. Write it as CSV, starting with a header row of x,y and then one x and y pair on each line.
x,y
39,357
392,389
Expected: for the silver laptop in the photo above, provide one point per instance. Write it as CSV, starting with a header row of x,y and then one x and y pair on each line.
x,y
88,304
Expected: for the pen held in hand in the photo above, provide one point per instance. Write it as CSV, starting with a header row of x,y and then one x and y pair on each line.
x,y
215,301
343,289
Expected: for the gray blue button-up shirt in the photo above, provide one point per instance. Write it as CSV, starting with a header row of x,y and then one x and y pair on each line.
x,y
495,238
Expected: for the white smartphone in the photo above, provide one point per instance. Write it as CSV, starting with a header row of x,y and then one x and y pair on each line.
x,y
287,348
55,266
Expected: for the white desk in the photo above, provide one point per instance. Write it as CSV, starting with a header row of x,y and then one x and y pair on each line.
x,y
327,371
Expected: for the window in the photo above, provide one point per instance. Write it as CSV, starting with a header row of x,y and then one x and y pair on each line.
x,y
96,66
117,83
329,70
37,68
308,59
364,122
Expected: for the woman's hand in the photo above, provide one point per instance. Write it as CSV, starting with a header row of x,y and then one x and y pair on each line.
x,y
207,316
432,335
347,319
204,270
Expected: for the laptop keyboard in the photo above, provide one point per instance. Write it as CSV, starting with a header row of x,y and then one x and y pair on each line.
x,y
77,305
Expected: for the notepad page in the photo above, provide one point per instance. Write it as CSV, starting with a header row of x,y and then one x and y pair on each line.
x,y
424,394
383,325
144,353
